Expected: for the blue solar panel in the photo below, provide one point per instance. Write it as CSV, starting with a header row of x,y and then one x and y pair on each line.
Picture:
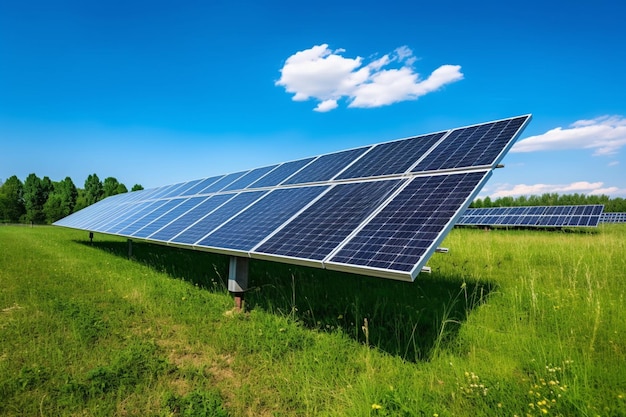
x,y
204,207
136,213
168,213
163,191
325,167
249,178
103,223
613,217
535,216
321,227
481,145
183,207
145,220
205,183
412,224
214,219
182,189
391,157
222,182
258,221
281,173
377,209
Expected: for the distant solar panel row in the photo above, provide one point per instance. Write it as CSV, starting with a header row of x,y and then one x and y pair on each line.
x,y
379,210
534,216
613,217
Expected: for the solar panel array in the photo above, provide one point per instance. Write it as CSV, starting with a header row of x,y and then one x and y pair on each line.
x,y
613,217
379,210
533,216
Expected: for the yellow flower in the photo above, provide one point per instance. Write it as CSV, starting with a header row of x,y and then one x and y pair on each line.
x,y
376,406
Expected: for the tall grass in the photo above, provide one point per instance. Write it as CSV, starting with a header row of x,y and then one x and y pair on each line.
x,y
509,323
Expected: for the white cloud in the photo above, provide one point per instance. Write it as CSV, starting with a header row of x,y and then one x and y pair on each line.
x,y
580,187
605,135
327,76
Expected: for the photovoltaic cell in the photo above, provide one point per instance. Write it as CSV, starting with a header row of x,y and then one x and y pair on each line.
x,y
280,174
126,211
181,190
190,217
400,235
325,167
201,185
136,215
391,157
220,215
183,207
162,191
321,227
479,145
222,182
249,178
252,225
145,220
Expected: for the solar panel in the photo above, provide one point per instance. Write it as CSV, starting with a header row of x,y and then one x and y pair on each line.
x,y
247,229
613,217
196,189
320,228
215,218
401,234
535,216
379,210
182,206
190,217
325,167
481,145
281,173
391,157
248,178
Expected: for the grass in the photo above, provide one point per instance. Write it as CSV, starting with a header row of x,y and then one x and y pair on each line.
x,y
525,323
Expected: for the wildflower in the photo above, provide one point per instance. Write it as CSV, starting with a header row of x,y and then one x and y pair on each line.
x,y
376,406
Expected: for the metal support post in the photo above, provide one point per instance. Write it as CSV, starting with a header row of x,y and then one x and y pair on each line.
x,y
238,279
130,249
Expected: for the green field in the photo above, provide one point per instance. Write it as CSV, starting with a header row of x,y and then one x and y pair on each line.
x,y
510,323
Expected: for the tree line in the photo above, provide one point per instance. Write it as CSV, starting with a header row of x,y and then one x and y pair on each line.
x,y
553,199
41,200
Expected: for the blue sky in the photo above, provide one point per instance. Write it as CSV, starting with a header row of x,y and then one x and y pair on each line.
x,y
161,92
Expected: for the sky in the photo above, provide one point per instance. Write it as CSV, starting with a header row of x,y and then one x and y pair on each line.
x,y
159,92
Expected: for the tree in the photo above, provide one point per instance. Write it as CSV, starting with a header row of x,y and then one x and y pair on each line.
x,y
12,200
61,201
112,186
94,190
35,196
137,187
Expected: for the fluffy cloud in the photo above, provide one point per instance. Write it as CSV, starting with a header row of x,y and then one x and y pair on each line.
x,y
325,75
605,135
581,187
